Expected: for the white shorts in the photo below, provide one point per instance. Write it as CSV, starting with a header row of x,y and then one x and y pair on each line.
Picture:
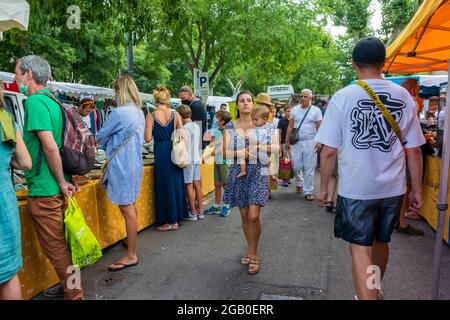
x,y
191,173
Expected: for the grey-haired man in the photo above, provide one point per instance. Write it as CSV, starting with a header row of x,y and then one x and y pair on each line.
x,y
48,186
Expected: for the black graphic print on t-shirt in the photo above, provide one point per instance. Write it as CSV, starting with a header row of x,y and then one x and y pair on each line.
x,y
370,128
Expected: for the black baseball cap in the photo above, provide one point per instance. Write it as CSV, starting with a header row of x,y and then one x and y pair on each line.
x,y
369,50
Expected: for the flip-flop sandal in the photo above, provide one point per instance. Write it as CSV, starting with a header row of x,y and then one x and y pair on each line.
x,y
413,216
170,227
309,197
121,264
253,267
379,295
245,260
329,206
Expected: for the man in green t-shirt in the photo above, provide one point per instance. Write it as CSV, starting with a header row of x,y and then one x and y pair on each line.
x,y
48,186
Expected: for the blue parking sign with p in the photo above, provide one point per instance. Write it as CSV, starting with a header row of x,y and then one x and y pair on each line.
x,y
202,81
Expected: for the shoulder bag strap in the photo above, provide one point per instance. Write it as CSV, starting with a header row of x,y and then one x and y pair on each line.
x,y
120,147
174,120
11,169
387,115
304,117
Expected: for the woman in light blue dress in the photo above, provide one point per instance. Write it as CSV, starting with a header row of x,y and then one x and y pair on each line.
x,y
125,126
12,153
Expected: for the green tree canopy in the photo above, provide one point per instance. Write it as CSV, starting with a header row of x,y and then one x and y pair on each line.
x,y
258,42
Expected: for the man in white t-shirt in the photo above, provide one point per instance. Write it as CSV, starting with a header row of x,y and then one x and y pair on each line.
x,y
306,119
372,164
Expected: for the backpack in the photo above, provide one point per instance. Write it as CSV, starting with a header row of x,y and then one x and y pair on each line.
x,y
78,149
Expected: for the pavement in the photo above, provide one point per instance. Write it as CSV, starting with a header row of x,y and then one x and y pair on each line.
x,y
300,260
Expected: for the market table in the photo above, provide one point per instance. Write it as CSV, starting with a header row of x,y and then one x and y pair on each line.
x,y
103,218
430,195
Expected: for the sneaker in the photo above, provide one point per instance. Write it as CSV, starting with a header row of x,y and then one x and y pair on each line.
x,y
225,211
191,217
212,210
54,292
409,230
201,216
285,184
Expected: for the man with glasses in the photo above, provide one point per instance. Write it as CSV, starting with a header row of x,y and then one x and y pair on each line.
x,y
197,108
306,119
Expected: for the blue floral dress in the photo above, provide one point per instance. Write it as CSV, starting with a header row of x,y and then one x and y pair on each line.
x,y
253,188
10,241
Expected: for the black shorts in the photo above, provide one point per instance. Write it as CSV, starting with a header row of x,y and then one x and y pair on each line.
x,y
362,221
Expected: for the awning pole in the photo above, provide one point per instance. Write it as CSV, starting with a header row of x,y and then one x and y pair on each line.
x,y
442,204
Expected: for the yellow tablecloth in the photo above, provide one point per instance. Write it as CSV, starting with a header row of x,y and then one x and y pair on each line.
x,y
103,218
430,195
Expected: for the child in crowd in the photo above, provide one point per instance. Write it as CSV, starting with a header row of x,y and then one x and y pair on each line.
x,y
283,126
221,165
262,135
192,177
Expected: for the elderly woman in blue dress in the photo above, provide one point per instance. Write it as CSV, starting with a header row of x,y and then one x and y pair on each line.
x,y
12,153
123,136
251,192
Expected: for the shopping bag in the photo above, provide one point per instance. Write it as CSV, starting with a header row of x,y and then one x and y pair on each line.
x,y
84,247
285,169
180,155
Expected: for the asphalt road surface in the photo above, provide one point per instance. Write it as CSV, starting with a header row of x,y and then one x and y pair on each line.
x,y
300,259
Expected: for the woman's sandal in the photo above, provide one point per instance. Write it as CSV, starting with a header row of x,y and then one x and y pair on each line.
x,y
245,260
168,227
413,216
253,266
329,206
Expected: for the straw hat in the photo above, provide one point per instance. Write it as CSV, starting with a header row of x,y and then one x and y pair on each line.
x,y
264,98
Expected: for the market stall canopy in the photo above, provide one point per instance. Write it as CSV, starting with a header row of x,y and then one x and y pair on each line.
x,y
424,80
429,85
76,89
424,44
14,14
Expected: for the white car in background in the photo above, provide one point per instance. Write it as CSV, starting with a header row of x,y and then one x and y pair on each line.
x,y
216,101
280,92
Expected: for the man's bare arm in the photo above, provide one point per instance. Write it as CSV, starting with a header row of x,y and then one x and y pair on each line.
x,y
51,153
